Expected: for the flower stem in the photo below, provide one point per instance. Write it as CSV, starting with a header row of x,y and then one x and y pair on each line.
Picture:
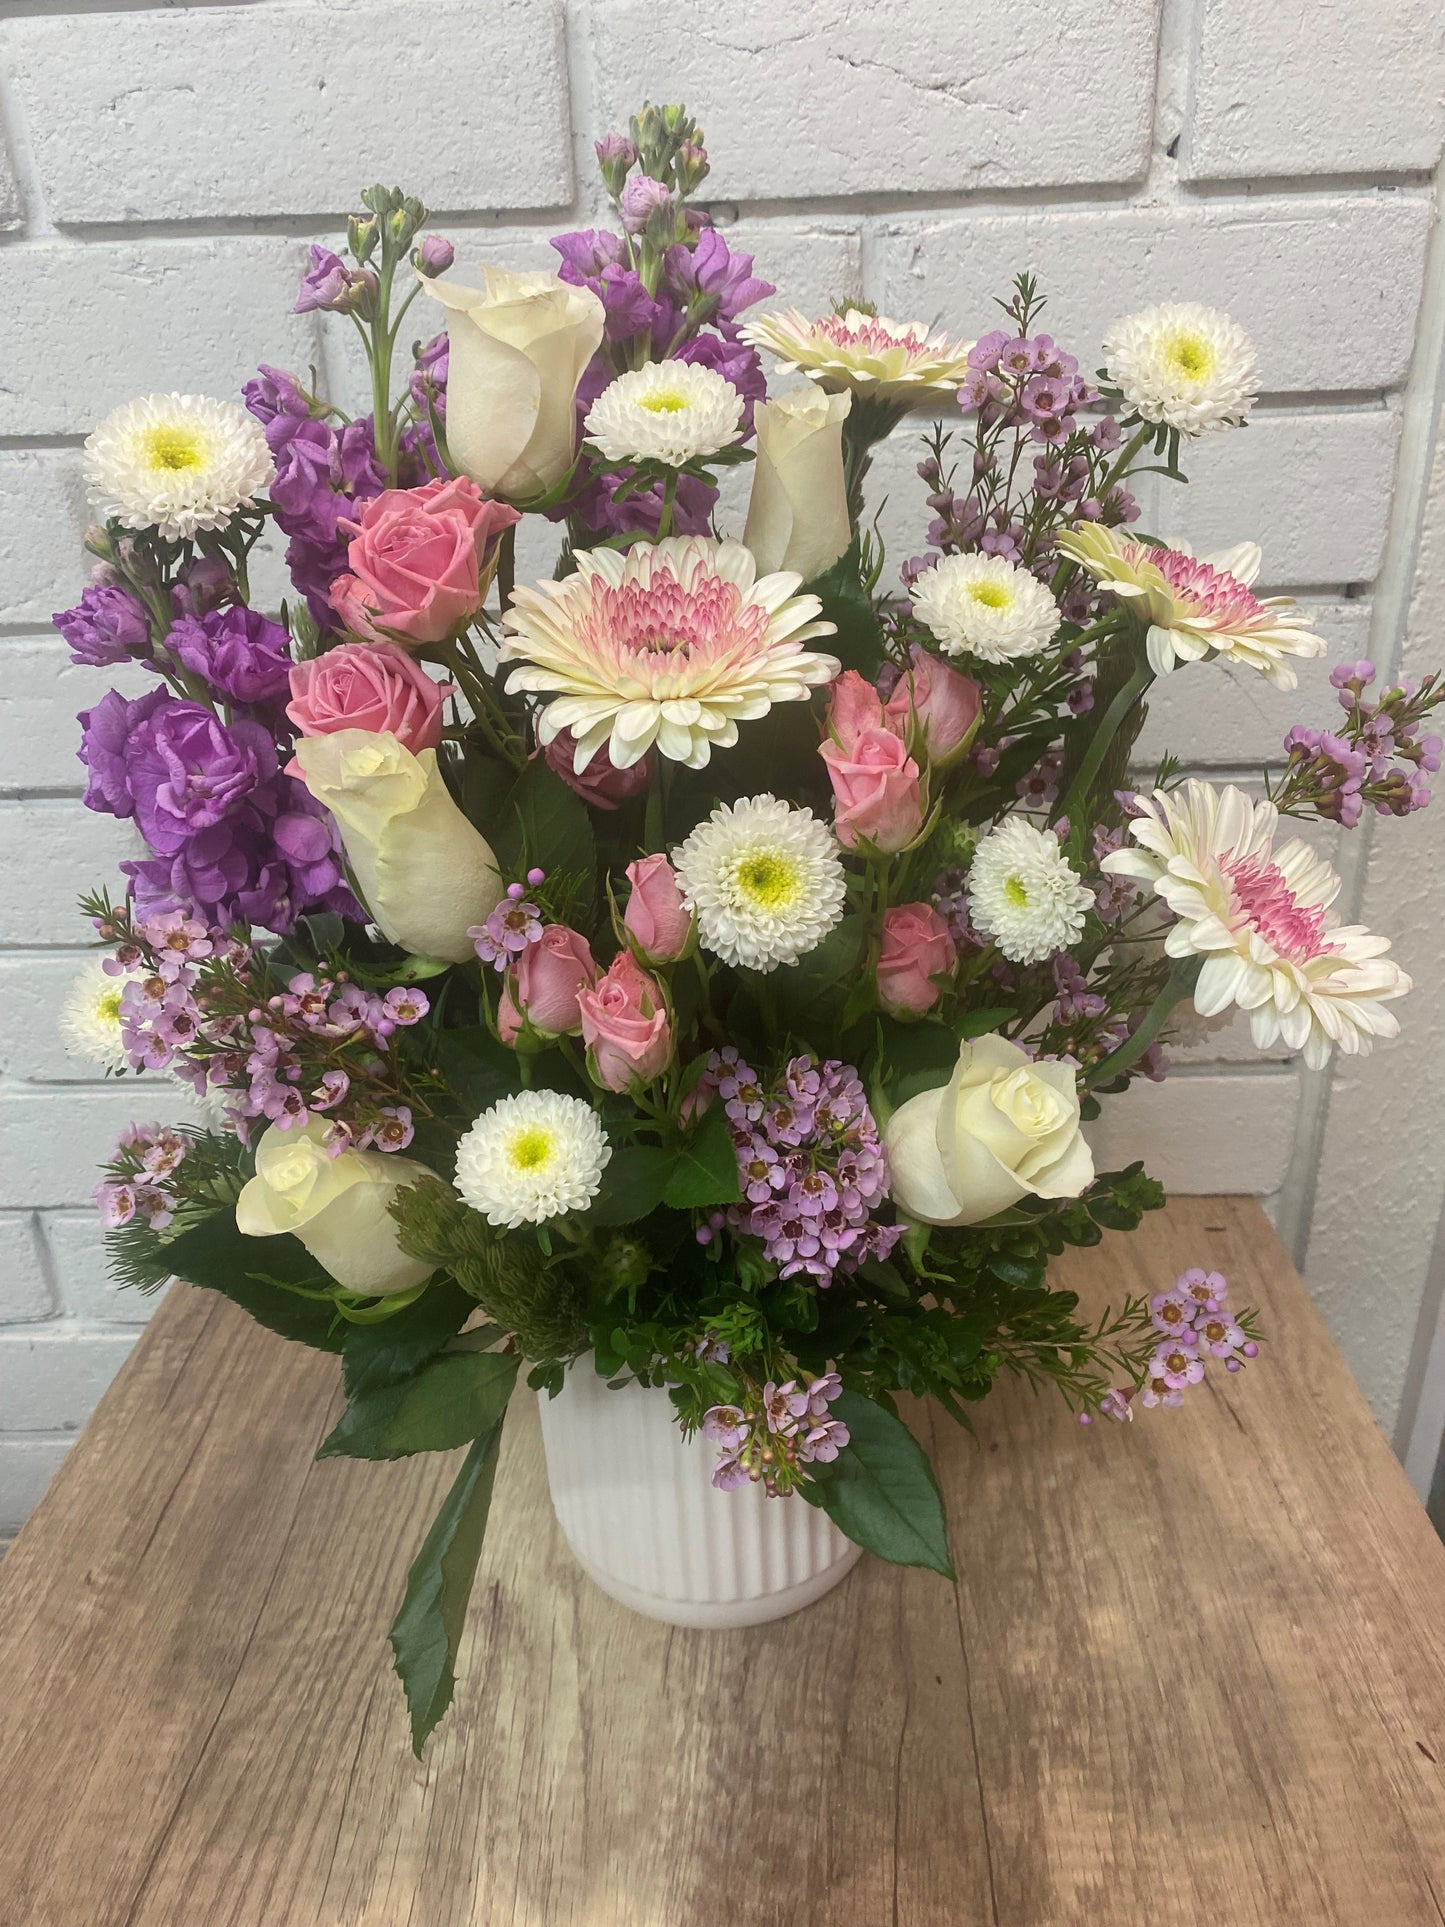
x,y
1179,983
1113,718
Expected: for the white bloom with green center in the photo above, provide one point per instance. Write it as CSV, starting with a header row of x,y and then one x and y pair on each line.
x,y
765,881
89,1019
1023,893
981,605
532,1157
668,411
176,463
1184,366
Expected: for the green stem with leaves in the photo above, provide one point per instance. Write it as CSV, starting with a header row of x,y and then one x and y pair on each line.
x,y
1178,985
1077,796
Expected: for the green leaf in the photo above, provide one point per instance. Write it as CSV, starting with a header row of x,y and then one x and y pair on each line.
x,y
546,825
846,603
706,1169
254,1273
881,1491
478,1068
381,1354
632,1184
452,1400
426,1634
921,1056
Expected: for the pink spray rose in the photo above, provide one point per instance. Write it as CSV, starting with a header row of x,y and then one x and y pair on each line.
x,y
875,789
421,560
656,918
624,1026
916,949
368,685
542,985
854,705
601,784
944,700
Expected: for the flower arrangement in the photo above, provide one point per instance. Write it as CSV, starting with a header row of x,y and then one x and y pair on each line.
x,y
700,966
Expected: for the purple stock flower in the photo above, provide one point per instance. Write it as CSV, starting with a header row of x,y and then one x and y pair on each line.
x,y
321,471
325,284
642,199
274,391
435,255
238,652
108,625
106,731
713,281
186,770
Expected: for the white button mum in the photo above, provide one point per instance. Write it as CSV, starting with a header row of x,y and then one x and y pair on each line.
x,y
765,880
1183,365
1198,607
981,605
531,1157
897,361
674,643
1261,919
1023,893
176,463
669,411
89,1019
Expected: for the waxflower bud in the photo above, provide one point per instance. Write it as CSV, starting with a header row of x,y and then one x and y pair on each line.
x,y
434,256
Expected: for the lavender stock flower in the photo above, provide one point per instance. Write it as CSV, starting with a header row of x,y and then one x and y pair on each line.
x,y
238,652
107,626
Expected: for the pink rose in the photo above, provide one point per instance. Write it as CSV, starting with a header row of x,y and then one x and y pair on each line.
x,y
916,949
625,1027
875,789
855,705
656,917
421,560
944,701
368,685
601,784
542,985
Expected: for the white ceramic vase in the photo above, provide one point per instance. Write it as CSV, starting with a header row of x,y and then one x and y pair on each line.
x,y
636,1503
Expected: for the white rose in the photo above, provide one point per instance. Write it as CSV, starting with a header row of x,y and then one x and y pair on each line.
x,y
427,875
1001,1128
336,1206
516,352
798,512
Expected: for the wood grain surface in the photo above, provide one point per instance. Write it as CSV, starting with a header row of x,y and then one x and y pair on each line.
x,y
1193,1672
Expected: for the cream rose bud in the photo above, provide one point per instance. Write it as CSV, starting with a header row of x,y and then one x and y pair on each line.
x,y
1001,1129
426,874
336,1206
517,349
798,513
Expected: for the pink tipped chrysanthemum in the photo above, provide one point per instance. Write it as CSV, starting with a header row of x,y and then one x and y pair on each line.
x,y
1198,606
673,644
1260,918
892,360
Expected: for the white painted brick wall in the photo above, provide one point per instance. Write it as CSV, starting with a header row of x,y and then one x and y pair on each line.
x,y
163,166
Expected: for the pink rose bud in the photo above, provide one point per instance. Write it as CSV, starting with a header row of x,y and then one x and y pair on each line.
x,y
601,784
944,702
421,560
876,791
543,985
917,949
855,706
656,918
625,1026
368,685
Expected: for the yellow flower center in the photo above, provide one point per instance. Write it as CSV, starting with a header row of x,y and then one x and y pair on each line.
x,y
665,401
768,880
1015,891
992,595
174,446
107,1005
1190,356
531,1147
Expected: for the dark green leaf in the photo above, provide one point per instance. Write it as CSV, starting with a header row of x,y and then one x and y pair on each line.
x,y
546,824
881,1491
478,1068
846,603
452,1400
426,1634
706,1170
254,1274
373,1355
632,1184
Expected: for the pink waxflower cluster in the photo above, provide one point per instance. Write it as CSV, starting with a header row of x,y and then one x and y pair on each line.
x,y
1195,1327
140,1169
778,1431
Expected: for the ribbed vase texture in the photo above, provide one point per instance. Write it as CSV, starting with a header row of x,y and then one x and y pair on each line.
x,y
637,1505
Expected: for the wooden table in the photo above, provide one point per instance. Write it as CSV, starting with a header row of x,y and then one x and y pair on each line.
x,y
1193,1672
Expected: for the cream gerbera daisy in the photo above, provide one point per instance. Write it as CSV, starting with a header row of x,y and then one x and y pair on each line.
x,y
891,360
1260,918
1198,606
176,463
1023,893
532,1157
669,411
89,1019
674,643
981,605
765,880
1184,366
